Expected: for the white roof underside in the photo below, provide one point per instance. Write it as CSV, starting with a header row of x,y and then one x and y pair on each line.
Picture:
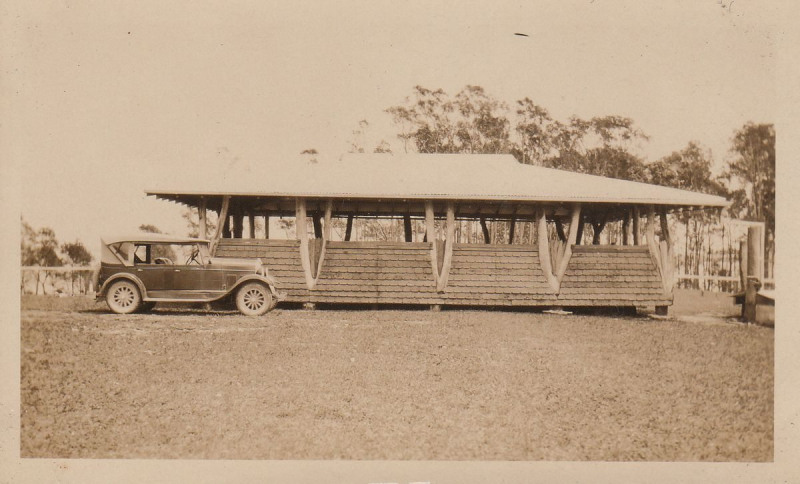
x,y
429,176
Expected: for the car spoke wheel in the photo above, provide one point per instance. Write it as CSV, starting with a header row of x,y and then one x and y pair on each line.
x,y
253,299
123,297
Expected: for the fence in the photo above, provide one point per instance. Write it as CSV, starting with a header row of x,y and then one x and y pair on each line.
x,y
64,280
716,283
712,253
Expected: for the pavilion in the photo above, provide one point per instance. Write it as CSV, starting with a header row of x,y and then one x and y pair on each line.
x,y
442,197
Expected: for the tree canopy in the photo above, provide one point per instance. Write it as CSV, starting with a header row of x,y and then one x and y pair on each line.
x,y
751,173
472,121
39,247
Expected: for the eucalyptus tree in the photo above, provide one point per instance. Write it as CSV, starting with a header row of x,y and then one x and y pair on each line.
x,y
751,174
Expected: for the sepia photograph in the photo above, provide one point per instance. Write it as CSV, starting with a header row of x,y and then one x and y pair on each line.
x,y
392,242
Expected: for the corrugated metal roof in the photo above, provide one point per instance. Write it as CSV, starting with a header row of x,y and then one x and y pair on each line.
x,y
430,176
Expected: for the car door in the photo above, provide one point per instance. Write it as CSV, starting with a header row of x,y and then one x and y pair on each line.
x,y
188,278
151,275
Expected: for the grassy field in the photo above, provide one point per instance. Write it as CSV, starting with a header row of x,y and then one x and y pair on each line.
x,y
443,385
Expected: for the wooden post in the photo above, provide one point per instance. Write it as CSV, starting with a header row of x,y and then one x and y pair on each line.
x,y
511,230
579,236
487,238
667,261
302,236
266,225
409,235
348,231
544,250
597,228
755,251
743,265
573,236
560,230
223,217
450,234
326,235
650,227
663,253
626,226
251,221
430,233
226,225
202,217
755,268
636,225
654,249
317,225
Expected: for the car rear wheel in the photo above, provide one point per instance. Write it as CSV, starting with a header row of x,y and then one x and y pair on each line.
x,y
253,299
123,297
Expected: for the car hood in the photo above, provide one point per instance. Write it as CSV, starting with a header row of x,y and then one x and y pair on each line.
x,y
232,263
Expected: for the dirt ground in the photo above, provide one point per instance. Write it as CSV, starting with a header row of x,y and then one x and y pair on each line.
x,y
390,384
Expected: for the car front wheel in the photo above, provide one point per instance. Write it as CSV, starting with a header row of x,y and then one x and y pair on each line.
x,y
253,299
123,297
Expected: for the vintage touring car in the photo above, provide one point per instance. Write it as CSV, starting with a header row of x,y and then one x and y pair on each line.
x,y
136,272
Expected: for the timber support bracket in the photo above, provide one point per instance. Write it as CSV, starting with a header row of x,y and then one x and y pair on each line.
x,y
554,264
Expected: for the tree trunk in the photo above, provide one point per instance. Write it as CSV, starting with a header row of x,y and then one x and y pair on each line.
x,y
407,228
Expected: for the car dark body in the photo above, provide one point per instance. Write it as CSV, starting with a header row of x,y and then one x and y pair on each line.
x,y
175,269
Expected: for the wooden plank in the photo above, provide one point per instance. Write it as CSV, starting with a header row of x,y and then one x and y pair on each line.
x,y
358,246
494,248
259,243
369,256
609,248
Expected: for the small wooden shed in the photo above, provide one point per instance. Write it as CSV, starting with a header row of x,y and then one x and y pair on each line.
x,y
437,195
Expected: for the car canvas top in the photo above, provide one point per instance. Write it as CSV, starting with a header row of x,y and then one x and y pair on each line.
x,y
147,238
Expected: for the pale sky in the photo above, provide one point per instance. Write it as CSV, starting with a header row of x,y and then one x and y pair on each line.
x,y
105,99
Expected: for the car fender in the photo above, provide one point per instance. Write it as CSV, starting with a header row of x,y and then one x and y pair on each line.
x,y
255,277
123,275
